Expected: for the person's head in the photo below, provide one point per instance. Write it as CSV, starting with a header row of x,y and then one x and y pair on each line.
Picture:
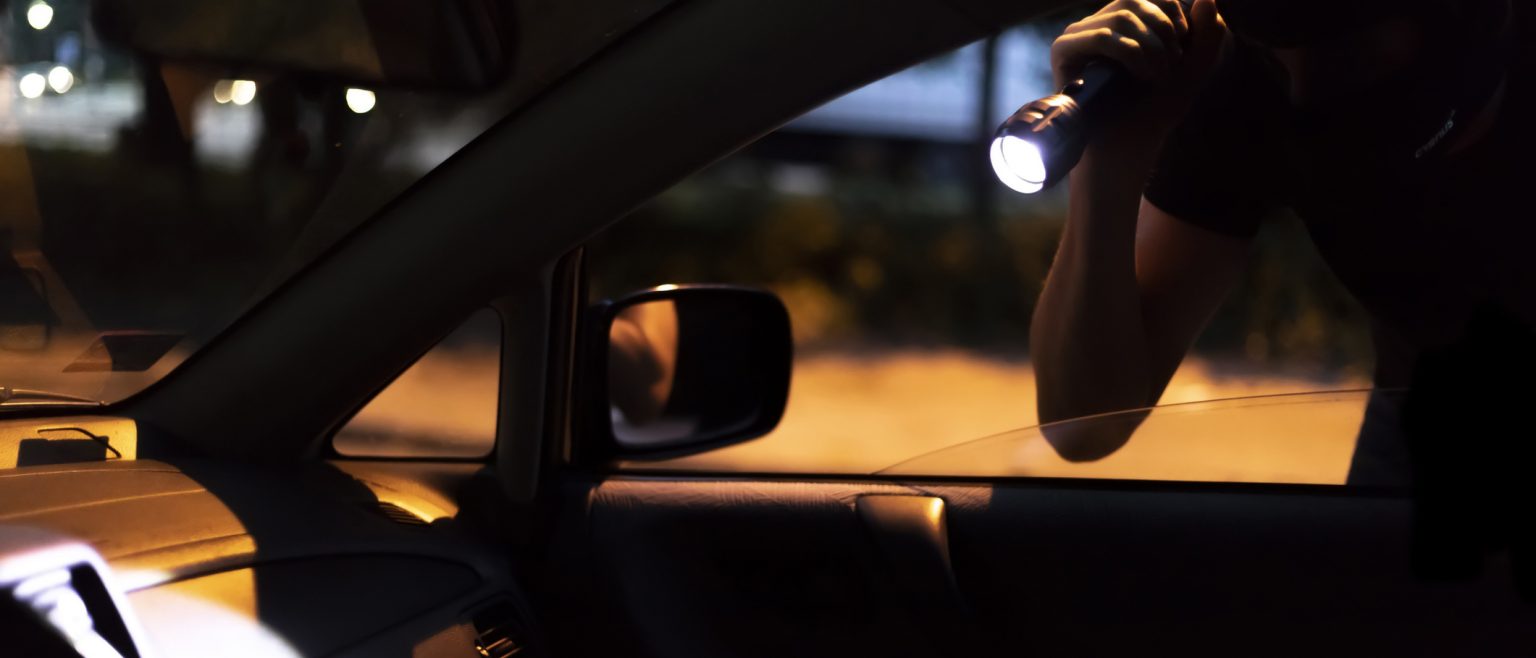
x,y
1399,65
1335,66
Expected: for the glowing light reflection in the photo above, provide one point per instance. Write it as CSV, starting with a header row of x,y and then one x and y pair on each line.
x,y
360,101
32,85
242,92
39,15
60,79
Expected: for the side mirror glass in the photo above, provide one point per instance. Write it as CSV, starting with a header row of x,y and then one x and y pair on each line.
x,y
689,368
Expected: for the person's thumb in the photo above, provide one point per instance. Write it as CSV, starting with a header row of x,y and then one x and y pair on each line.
x,y
1207,38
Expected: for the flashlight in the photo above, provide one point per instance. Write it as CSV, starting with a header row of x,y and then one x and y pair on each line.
x,y
1036,147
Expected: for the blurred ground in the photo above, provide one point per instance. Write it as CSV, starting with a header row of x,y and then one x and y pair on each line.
x,y
858,414
848,413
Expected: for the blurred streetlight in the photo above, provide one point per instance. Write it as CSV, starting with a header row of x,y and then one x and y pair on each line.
x,y
242,92
39,15
360,100
223,91
32,85
60,79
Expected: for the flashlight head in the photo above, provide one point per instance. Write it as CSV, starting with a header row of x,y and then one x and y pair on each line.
x,y
1018,164
1036,147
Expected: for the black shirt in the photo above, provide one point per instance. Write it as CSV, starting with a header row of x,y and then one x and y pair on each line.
x,y
1420,247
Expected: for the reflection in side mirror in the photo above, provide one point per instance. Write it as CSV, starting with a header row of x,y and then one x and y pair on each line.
x,y
694,367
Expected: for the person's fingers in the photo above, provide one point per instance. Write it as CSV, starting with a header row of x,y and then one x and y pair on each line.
x,y
1085,45
1157,19
1174,10
1139,21
1208,35
1070,51
1154,47
1146,37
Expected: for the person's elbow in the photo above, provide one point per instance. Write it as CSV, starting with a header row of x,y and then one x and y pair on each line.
x,y
1064,392
1086,422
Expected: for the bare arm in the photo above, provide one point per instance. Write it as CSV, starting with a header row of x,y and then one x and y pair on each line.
x,y
1183,273
1130,290
1131,286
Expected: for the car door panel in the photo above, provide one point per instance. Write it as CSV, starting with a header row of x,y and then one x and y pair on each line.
x,y
1218,571
752,569
747,568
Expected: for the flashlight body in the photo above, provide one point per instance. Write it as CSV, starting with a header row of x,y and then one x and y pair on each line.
x,y
1059,125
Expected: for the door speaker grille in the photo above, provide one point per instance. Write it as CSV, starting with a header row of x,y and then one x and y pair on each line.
x,y
400,515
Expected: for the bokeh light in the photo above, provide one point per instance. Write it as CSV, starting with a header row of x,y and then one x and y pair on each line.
x,y
32,85
242,92
360,100
39,15
60,79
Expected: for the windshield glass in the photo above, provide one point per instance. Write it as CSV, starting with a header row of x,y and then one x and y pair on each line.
x,y
146,203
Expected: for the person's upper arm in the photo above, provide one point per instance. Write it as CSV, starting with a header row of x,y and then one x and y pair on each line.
x,y
1183,272
1213,184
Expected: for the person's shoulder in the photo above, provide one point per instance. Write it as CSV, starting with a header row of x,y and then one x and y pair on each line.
x,y
1246,92
1253,68
1217,169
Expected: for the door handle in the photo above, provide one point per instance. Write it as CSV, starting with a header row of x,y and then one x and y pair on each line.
x,y
911,533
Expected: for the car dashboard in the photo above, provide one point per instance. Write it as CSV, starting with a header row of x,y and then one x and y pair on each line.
x,y
129,558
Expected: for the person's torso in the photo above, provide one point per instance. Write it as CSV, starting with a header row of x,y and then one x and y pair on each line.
x,y
1425,246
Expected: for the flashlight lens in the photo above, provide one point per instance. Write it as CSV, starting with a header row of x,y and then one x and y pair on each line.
x,y
1018,164
1024,159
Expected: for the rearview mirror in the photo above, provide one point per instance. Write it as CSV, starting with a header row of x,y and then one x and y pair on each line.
x,y
448,44
686,369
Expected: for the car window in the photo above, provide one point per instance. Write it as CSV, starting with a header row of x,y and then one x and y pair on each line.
x,y
1306,438
911,276
443,406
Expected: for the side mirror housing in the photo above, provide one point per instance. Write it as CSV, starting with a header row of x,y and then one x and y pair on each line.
x,y
683,369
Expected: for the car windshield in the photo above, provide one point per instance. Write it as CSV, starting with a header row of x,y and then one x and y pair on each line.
x,y
146,203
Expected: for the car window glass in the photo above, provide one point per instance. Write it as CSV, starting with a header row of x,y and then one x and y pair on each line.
x,y
443,406
911,275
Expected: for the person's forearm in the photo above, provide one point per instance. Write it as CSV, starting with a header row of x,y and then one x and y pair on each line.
x,y
1087,338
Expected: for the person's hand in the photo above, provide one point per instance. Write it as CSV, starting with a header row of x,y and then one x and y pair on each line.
x,y
1155,40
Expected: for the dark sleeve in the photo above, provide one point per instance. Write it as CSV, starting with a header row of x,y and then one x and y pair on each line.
x,y
1220,167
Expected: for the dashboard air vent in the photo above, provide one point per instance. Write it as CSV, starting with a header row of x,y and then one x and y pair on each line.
x,y
400,515
497,632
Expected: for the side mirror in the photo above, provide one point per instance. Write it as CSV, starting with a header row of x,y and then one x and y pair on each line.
x,y
684,369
